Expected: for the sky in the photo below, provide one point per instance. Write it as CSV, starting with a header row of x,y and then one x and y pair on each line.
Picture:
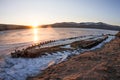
x,y
29,12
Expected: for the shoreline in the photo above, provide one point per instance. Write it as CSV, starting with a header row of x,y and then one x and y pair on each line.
x,y
20,68
52,46
99,64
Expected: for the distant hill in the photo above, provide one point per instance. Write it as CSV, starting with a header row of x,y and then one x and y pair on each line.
x,y
98,25
11,27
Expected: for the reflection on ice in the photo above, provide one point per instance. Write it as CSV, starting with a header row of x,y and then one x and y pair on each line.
x,y
36,37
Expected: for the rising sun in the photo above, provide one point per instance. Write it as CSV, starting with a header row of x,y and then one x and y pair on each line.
x,y
35,25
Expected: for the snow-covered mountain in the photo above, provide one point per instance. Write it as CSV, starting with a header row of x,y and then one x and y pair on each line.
x,y
98,25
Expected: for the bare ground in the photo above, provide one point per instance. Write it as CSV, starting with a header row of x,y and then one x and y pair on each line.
x,y
100,64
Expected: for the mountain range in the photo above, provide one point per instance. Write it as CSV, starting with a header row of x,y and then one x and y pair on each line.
x,y
92,25
98,25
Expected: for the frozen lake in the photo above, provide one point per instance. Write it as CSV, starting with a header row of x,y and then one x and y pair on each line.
x,y
13,39
21,68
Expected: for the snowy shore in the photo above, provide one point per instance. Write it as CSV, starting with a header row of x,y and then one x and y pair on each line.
x,y
98,64
21,68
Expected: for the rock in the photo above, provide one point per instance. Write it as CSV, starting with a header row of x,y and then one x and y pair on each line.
x,y
118,34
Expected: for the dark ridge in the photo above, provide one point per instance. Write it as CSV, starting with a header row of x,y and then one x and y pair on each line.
x,y
12,27
92,25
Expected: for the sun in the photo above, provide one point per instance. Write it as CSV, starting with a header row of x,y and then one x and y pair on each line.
x,y
35,25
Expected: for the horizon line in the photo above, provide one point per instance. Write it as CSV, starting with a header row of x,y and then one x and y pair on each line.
x,y
58,22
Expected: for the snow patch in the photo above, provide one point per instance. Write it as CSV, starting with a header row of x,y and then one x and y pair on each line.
x,y
21,68
66,46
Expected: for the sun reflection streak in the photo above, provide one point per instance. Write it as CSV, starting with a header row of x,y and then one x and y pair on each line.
x,y
36,37
42,31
